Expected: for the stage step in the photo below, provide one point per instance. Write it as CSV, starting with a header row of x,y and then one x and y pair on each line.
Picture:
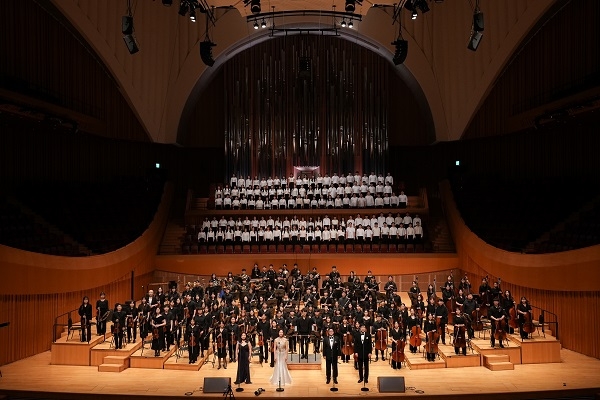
x,y
498,362
111,367
116,360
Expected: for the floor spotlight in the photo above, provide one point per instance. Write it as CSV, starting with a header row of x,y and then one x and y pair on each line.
x,y
343,23
255,25
263,24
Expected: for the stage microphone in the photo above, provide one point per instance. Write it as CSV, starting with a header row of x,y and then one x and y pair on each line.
x,y
259,391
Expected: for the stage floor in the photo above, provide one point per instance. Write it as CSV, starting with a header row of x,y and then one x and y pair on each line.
x,y
36,374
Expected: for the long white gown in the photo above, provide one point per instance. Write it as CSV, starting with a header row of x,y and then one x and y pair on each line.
x,y
280,372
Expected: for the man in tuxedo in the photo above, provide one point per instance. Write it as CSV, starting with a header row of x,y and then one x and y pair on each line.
x,y
363,347
331,351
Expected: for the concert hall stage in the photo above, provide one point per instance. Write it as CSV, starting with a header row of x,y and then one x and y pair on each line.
x,y
576,375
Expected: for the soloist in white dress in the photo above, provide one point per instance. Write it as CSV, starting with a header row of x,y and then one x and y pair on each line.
x,y
281,375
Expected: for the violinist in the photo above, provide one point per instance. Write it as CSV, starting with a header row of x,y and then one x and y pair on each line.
x,y
523,308
413,322
193,338
402,317
430,326
118,320
396,334
460,324
158,323
143,312
441,315
263,328
220,341
132,320
233,334
177,308
152,300
85,314
496,313
101,314
290,322
169,325
379,329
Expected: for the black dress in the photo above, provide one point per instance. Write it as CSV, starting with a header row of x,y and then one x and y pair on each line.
x,y
243,371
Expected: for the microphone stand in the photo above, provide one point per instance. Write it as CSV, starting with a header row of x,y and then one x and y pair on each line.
x,y
334,359
364,388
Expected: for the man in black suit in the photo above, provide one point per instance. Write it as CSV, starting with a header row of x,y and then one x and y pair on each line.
x,y
331,351
363,347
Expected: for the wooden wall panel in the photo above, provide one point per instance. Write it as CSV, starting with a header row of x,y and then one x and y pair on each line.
x,y
564,283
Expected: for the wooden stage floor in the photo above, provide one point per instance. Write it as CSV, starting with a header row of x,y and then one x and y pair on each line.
x,y
35,377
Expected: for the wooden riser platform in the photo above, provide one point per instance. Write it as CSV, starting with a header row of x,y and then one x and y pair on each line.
x,y
418,361
496,362
74,352
183,362
539,349
472,359
144,358
102,350
511,349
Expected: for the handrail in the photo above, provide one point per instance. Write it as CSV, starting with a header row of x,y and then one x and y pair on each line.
x,y
542,320
68,313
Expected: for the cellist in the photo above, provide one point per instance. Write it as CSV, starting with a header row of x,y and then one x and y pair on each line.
x,y
496,313
441,315
523,308
460,323
345,328
430,326
508,304
379,330
396,334
413,322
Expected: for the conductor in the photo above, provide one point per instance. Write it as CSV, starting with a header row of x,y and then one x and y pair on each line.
x,y
363,348
331,351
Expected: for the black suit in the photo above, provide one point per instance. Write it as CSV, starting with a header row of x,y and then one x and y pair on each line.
x,y
331,354
363,347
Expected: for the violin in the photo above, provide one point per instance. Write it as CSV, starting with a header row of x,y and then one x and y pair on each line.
x,y
415,336
348,346
398,353
116,329
130,322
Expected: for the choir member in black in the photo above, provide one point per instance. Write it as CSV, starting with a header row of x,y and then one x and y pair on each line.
x,y
429,326
243,355
496,313
460,322
304,326
101,314
507,303
396,333
118,320
169,325
233,336
157,323
143,311
263,328
441,316
193,339
469,306
132,320
523,308
331,352
412,321
220,341
85,314
273,334
363,347
379,325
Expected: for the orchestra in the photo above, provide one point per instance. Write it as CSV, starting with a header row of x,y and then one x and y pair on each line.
x,y
309,309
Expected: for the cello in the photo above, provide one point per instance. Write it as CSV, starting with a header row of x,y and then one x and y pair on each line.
x,y
415,336
513,321
348,346
500,333
398,353
381,337
460,339
528,326
432,346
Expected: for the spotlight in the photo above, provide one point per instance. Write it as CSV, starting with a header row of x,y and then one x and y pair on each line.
x,y
263,24
422,5
255,25
401,51
127,25
192,15
343,23
350,24
414,15
167,3
183,8
350,5
206,52
255,6
474,40
131,44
